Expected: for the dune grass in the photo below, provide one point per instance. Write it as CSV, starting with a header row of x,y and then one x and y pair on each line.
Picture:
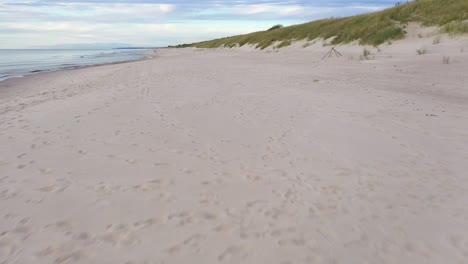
x,y
369,29
365,54
421,51
456,28
445,59
284,44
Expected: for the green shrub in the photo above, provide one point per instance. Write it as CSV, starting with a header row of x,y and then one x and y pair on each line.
x,y
365,54
446,60
421,51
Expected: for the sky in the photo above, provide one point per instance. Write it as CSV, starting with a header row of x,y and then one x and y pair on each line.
x,y
51,23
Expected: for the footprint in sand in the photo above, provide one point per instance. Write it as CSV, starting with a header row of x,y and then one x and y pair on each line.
x,y
343,171
182,218
23,230
460,242
212,182
162,182
189,244
105,189
9,246
145,262
65,253
255,178
148,223
209,199
63,226
142,188
45,170
294,242
158,164
164,197
209,216
131,161
85,238
234,254
117,238
54,188
227,229
119,235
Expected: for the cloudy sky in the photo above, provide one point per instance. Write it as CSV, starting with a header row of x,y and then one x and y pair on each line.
x,y
41,23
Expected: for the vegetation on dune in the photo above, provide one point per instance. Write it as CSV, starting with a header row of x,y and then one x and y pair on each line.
x,y
446,60
181,46
284,44
456,28
421,51
365,54
369,29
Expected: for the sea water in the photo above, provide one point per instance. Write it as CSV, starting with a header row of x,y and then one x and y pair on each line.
x,y
21,62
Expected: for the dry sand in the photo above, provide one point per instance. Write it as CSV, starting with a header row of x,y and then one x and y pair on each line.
x,y
240,156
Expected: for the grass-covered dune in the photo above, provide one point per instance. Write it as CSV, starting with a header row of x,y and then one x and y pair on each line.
x,y
369,29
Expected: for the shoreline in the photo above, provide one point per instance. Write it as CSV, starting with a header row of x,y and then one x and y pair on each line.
x,y
17,81
77,67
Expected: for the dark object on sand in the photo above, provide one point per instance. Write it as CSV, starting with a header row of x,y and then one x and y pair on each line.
x,y
332,52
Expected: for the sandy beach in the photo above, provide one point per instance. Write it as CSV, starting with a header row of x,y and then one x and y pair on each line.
x,y
240,156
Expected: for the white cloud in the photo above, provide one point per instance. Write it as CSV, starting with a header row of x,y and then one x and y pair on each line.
x,y
291,10
112,13
51,26
157,27
253,9
60,22
125,9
